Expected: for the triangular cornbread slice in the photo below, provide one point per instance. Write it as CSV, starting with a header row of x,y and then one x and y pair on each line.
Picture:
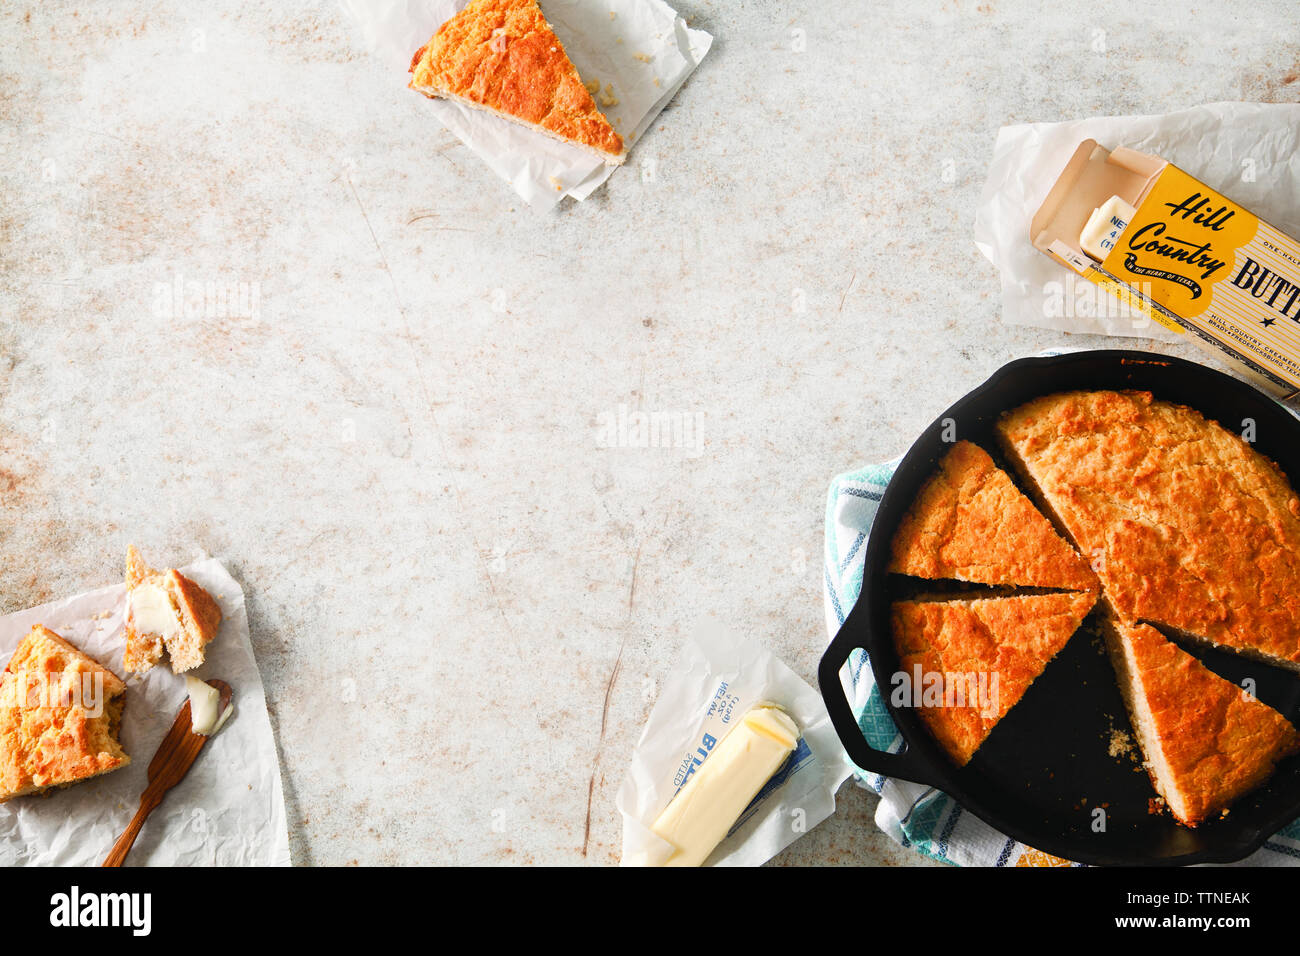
x,y
1187,525
502,56
165,611
971,523
1206,741
982,654
60,714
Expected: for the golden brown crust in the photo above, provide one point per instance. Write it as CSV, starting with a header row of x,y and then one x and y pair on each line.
x,y
199,616
971,523
60,713
502,55
136,569
43,651
415,61
1012,638
1213,741
1187,524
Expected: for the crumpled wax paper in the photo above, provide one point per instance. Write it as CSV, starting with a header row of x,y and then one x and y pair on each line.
x,y
229,809
1250,152
640,48
719,677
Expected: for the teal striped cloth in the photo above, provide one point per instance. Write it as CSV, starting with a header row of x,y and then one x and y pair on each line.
x,y
917,816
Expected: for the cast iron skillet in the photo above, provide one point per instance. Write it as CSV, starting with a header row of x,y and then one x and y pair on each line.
x,y
1046,767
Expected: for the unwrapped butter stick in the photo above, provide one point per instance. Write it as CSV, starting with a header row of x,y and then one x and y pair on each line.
x,y
704,811
1104,227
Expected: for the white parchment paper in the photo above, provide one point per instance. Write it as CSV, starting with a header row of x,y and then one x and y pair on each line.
x,y
719,677
640,48
229,809
1250,152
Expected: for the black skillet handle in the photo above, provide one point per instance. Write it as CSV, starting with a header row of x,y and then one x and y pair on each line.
x,y
905,765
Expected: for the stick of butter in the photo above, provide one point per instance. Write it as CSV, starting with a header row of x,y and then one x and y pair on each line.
x,y
704,811
1104,227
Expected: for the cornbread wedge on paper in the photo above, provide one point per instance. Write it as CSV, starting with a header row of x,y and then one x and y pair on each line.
x,y
60,715
503,57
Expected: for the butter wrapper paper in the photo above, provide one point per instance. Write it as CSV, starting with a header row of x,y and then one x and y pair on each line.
x,y
721,676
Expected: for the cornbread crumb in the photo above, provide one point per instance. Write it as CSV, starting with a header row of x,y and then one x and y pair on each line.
x,y
644,57
608,98
1121,744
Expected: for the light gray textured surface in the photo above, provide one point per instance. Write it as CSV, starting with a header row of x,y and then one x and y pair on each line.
x,y
460,599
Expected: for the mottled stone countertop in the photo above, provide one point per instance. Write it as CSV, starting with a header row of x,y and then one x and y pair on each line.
x,y
389,426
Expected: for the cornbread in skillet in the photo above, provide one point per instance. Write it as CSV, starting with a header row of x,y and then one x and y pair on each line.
x,y
971,523
1187,525
503,57
60,714
1206,741
1002,644
165,612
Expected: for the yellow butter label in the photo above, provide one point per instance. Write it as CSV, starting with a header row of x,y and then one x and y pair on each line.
x,y
1133,304
1218,267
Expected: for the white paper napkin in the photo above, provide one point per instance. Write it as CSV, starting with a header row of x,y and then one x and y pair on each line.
x,y
640,48
229,809
1250,152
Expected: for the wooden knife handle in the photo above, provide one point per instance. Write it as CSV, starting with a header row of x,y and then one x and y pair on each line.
x,y
117,856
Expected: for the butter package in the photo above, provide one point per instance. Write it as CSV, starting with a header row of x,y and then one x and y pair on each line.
x,y
1177,252
737,761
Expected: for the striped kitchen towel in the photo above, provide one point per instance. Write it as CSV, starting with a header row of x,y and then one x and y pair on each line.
x,y
917,816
